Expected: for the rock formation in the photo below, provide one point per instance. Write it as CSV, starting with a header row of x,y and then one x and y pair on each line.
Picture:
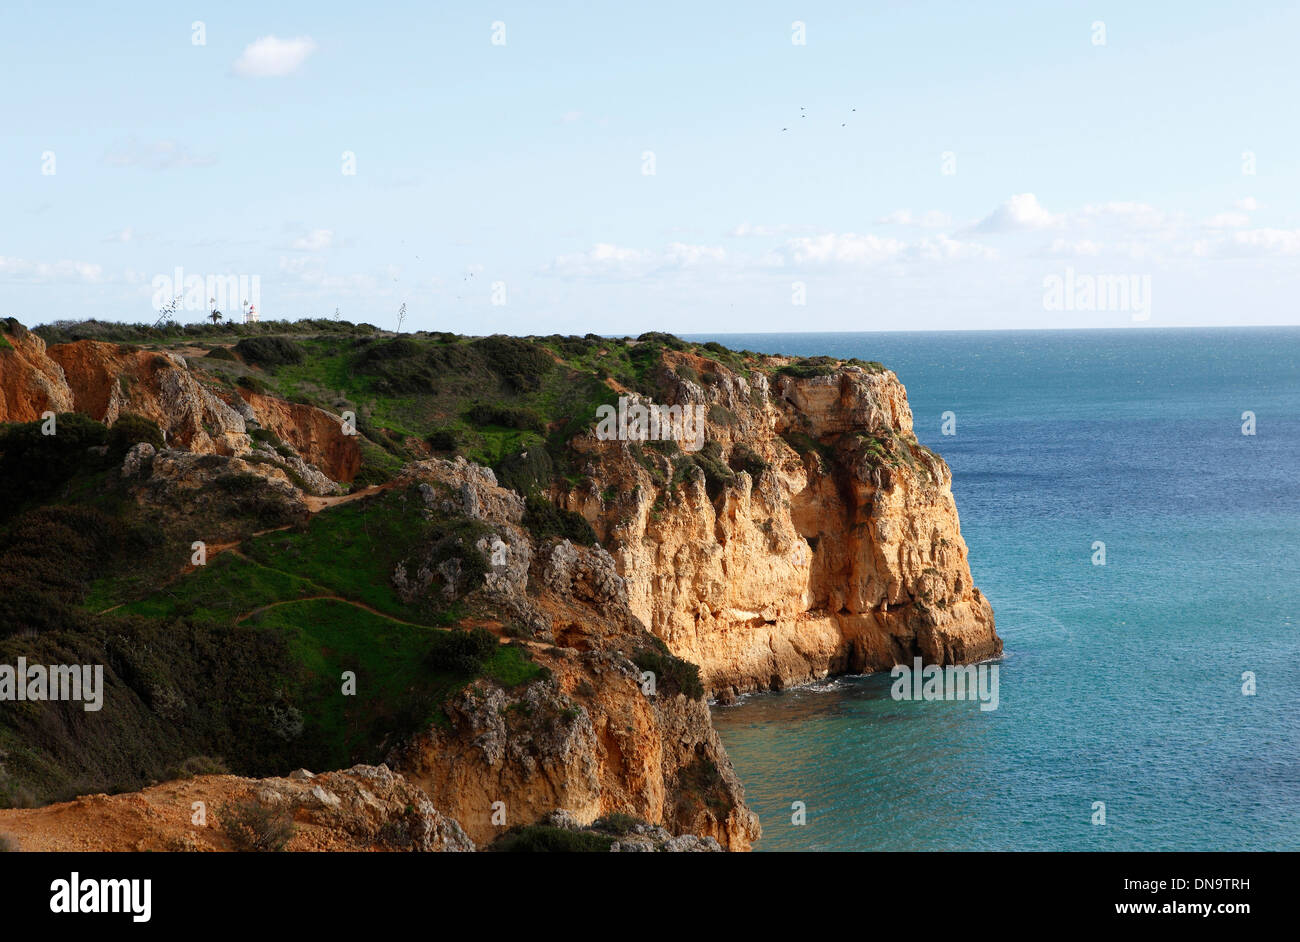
x,y
830,545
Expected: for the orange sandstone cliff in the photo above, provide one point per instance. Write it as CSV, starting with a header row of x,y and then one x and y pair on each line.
x,y
833,548
811,535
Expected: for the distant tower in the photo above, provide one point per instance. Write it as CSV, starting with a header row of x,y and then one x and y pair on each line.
x,y
250,316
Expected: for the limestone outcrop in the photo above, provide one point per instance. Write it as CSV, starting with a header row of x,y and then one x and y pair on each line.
x,y
812,535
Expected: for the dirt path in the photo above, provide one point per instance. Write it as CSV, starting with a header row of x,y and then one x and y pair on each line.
x,y
317,504
330,598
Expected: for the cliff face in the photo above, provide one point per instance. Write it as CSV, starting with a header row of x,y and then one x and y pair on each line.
x,y
811,534
359,809
106,380
588,739
30,382
833,547
314,434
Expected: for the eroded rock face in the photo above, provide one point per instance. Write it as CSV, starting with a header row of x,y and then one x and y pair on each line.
x,y
316,435
108,379
838,551
587,739
358,809
30,382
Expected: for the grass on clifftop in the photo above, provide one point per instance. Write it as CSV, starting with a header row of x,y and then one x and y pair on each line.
x,y
491,399
398,690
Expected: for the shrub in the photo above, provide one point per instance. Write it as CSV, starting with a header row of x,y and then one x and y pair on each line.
x,y
239,482
526,472
198,765
809,367
744,458
543,838
34,466
270,351
521,364
252,384
721,415
462,652
221,353
525,420
618,823
444,439
544,520
672,674
130,429
251,826
658,338
265,436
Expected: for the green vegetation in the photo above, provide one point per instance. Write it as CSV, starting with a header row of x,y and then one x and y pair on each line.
x,y
270,351
241,658
253,826
355,548
404,673
546,839
544,520
127,431
672,674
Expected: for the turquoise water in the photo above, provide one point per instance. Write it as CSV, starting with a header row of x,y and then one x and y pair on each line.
x,y
1120,683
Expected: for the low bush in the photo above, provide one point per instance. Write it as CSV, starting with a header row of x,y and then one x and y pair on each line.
x,y
462,652
672,674
545,520
270,351
129,430
545,839
252,826
525,420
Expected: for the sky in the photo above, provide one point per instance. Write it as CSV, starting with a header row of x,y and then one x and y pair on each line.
x,y
535,168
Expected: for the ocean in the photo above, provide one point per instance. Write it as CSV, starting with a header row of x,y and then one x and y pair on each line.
x,y
1121,683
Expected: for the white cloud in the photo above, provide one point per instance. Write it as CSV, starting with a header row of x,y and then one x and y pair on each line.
x,y
126,235
943,249
569,117
852,249
1021,212
1228,221
1134,215
316,240
1074,249
746,230
21,269
602,258
848,247
932,219
158,155
271,57
1256,242
1248,204
683,255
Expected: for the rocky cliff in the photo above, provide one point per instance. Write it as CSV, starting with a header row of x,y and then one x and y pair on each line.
x,y
107,380
588,739
813,534
805,532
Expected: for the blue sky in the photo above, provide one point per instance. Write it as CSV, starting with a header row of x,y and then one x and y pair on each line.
x,y
783,172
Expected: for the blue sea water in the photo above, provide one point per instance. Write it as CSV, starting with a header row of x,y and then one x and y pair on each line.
x,y
1120,683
